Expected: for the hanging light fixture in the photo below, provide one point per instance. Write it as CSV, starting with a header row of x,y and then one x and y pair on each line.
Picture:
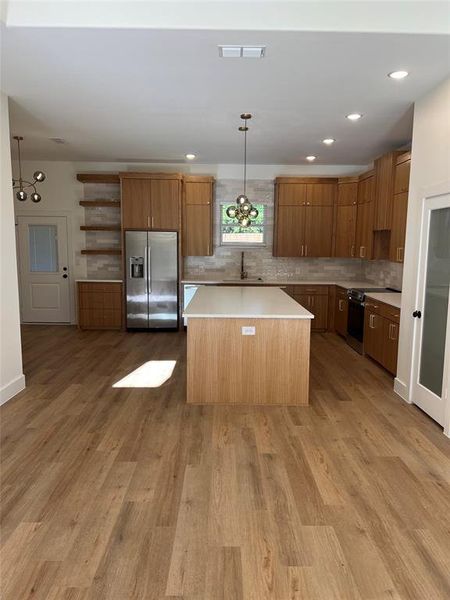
x,y
243,211
21,184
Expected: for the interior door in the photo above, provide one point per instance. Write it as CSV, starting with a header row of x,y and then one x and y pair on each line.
x,y
432,305
44,269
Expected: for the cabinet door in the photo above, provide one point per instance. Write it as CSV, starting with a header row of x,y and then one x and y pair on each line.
x,y
364,230
373,335
402,171
198,192
321,194
318,230
319,308
398,231
165,202
390,346
341,313
384,190
290,227
345,241
291,194
197,230
136,203
366,190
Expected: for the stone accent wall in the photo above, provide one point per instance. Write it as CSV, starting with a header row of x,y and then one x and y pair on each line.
x,y
102,266
384,273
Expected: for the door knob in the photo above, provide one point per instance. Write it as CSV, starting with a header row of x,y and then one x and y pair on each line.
x,y
65,276
417,314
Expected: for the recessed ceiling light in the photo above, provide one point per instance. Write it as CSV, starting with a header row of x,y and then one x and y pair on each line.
x,y
190,156
328,141
354,116
398,74
311,158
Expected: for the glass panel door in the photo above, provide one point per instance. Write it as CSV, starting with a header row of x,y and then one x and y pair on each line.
x,y
43,247
436,301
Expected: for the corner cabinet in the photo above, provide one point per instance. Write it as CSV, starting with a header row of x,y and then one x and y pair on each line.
x,y
198,215
346,208
151,200
304,211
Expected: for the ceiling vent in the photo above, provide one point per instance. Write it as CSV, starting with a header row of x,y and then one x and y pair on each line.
x,y
242,51
58,140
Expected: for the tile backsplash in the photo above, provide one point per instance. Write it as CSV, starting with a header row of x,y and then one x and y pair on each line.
x,y
259,262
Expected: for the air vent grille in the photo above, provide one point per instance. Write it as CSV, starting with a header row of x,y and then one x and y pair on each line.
x,y
242,51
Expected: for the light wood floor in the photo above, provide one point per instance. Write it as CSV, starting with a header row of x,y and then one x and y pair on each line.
x,y
116,494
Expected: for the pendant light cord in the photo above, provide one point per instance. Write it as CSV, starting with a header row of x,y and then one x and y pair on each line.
x,y
245,158
20,164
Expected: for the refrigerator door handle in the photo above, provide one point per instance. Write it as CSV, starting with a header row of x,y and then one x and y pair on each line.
x,y
149,268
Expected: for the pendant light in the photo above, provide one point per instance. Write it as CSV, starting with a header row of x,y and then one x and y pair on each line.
x,y
243,211
21,184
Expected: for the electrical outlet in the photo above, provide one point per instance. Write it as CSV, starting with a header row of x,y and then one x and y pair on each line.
x,y
248,330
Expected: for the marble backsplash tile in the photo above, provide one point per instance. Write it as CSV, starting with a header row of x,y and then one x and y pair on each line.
x,y
384,273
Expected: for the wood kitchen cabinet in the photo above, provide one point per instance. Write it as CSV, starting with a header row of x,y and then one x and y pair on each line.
x,y
99,305
341,311
364,216
304,210
198,216
381,329
400,208
151,201
346,209
385,168
315,299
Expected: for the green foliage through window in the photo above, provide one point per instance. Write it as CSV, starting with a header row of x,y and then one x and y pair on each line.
x,y
232,233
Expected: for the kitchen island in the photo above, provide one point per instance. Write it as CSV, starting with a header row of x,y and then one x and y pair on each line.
x,y
247,345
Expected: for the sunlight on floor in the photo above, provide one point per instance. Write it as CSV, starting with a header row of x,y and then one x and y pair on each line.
x,y
151,374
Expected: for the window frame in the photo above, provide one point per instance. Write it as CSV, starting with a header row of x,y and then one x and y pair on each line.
x,y
243,245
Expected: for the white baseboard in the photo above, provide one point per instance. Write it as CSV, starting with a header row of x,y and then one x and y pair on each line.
x,y
12,388
401,389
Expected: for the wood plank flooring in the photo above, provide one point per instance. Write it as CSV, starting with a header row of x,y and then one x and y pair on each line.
x,y
127,493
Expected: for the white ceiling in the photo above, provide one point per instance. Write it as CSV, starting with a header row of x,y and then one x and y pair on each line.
x,y
153,95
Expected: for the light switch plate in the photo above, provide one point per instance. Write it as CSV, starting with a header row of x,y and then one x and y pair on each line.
x,y
248,330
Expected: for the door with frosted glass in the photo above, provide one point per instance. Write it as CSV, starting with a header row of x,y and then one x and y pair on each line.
x,y
44,269
431,313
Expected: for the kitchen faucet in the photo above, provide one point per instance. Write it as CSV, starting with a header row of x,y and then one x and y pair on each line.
x,y
244,273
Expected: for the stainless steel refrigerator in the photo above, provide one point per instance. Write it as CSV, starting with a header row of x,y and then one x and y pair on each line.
x,y
152,279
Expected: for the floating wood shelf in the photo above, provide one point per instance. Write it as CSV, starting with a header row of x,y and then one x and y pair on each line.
x,y
100,227
102,251
94,203
98,177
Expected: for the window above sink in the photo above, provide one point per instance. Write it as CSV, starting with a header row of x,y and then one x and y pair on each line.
x,y
231,234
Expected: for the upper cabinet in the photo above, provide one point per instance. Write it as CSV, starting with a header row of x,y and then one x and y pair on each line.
x,y
198,215
345,227
151,201
365,216
400,208
304,209
385,167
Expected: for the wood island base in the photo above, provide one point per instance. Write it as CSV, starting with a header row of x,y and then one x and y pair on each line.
x,y
271,367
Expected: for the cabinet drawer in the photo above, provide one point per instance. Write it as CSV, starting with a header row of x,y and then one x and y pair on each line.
x,y
93,286
373,306
390,312
317,290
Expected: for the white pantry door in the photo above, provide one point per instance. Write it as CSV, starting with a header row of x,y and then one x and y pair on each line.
x,y
431,314
44,269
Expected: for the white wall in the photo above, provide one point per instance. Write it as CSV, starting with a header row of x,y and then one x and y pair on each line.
x,y
12,379
430,168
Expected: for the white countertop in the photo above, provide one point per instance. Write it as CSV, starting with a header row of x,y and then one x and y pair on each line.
x,y
229,302
391,298
99,280
211,280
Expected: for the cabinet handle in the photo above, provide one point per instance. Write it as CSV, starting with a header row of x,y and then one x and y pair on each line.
x,y
400,254
148,221
362,251
341,305
371,321
306,250
302,251
392,331
153,220
352,251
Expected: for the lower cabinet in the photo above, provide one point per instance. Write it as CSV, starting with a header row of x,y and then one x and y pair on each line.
x,y
381,328
315,299
99,305
341,311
